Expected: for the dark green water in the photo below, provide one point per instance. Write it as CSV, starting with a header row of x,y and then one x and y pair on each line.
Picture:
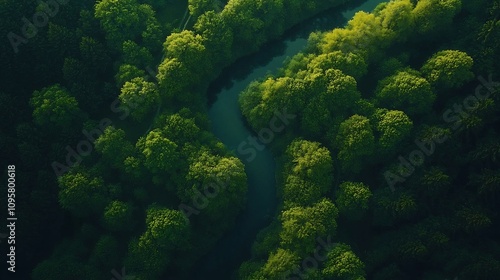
x,y
228,125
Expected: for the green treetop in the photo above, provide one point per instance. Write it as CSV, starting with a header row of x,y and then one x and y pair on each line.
x,y
54,105
449,69
405,91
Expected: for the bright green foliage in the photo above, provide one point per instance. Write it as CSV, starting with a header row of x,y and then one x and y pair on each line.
x,y
166,228
54,105
355,140
392,126
180,129
311,162
396,16
297,63
280,264
82,194
221,179
343,264
300,192
217,35
283,92
118,216
127,72
405,91
189,49
174,78
113,146
335,100
120,19
352,199
260,101
363,35
301,226
350,63
435,15
140,96
246,26
152,34
124,20
341,93
198,7
159,152
133,166
449,69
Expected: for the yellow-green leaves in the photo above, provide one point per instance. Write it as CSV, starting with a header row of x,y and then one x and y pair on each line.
x,y
405,91
54,105
448,69
431,16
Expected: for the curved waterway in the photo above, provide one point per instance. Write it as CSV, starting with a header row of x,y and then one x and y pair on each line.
x,y
229,126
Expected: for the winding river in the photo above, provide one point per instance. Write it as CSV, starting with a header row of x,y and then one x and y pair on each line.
x,y
228,125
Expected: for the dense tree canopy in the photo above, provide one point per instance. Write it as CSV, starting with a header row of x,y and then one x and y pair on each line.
x,y
166,228
54,105
139,96
449,69
113,146
82,194
392,126
120,19
160,153
434,15
353,199
407,158
222,179
302,225
354,140
405,91
310,161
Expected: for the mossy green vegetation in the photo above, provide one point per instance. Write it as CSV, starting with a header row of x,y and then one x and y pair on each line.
x,y
393,99
391,157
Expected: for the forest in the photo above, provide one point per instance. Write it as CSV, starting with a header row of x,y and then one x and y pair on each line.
x,y
384,133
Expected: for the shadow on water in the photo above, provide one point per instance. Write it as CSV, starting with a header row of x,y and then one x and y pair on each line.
x,y
229,126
